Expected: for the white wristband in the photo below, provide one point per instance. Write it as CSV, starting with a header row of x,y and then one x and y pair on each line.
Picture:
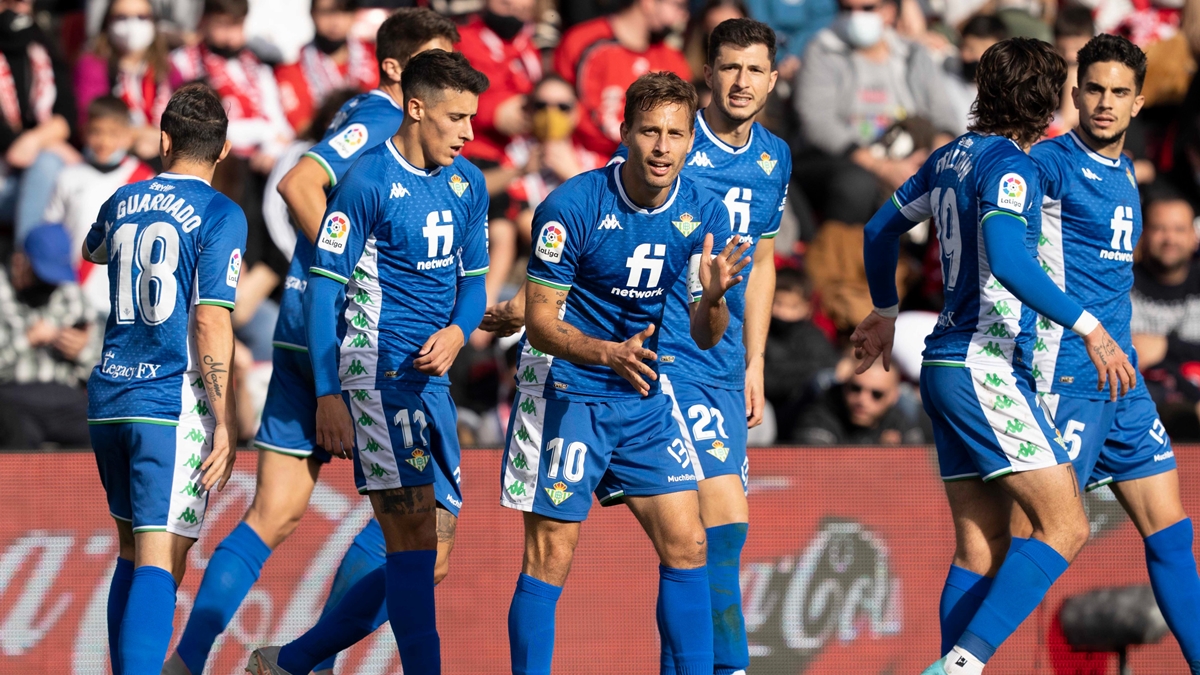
x,y
1085,324
888,312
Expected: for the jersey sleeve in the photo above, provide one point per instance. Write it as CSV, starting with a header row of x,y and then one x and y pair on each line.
x,y
913,197
473,256
785,161
96,241
558,232
1005,185
1049,160
619,155
341,149
222,240
349,220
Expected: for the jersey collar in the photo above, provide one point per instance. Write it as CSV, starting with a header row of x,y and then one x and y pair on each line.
x,y
179,176
1115,163
409,167
720,143
387,96
629,202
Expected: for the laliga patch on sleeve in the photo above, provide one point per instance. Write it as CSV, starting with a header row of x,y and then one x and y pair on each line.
x,y
551,242
334,233
1012,192
235,268
349,140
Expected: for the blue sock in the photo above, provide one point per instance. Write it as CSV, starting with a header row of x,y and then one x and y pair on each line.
x,y
366,553
118,595
687,619
1172,567
411,610
531,626
232,570
1020,585
147,625
730,651
666,657
962,595
341,627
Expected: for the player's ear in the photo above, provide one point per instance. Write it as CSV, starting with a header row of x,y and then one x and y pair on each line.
x,y
414,108
391,68
774,79
1137,105
164,144
225,150
1075,97
708,73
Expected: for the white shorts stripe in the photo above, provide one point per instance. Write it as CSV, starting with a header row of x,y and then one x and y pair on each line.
x,y
684,433
374,442
524,453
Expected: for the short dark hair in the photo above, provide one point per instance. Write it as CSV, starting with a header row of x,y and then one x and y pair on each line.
x,y
788,279
1104,48
1074,21
985,26
108,107
196,122
1160,192
409,28
432,72
1020,83
338,5
653,90
238,9
741,33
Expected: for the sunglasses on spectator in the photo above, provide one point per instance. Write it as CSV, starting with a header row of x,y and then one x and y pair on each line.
x,y
862,8
122,17
542,105
855,388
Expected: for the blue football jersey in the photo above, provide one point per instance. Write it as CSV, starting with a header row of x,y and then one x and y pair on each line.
x,y
361,123
960,186
619,261
752,181
171,243
399,237
1091,223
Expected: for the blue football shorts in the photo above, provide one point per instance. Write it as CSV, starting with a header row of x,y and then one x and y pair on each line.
x,y
714,420
289,416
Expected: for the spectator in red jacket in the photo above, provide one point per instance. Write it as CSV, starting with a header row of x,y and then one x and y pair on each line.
x,y
602,57
333,60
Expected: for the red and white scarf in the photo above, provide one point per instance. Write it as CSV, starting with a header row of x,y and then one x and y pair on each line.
x,y
146,96
43,90
237,86
324,75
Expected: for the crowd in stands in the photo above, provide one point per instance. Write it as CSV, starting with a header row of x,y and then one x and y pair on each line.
x,y
867,89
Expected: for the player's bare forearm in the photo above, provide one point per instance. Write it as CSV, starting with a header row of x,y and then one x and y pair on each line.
x,y
556,337
508,317
709,321
760,293
303,190
214,346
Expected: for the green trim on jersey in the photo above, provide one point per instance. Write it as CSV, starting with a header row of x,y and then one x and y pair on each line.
x,y
290,347
768,235
958,479
151,528
996,474
1010,214
324,165
548,284
944,364
329,275
216,303
475,273
1098,484
134,420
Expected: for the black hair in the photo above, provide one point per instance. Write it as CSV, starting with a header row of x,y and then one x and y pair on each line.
x,y
196,122
1105,48
741,33
985,26
238,9
338,5
792,280
652,90
108,107
1020,83
430,73
408,28
1074,21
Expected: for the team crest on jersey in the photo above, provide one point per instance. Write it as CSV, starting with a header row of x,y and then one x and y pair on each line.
x,y
558,493
333,234
551,242
458,184
350,141
719,450
1012,192
1132,180
685,224
766,163
418,460
235,268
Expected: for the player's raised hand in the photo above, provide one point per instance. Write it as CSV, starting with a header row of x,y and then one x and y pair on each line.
x,y
504,318
218,466
1112,365
335,429
439,351
873,339
721,272
628,360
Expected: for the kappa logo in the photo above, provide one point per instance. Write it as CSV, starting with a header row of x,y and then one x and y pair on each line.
x,y
398,190
610,222
1090,175
700,159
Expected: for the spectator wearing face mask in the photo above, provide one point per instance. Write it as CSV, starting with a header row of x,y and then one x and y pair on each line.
x,y
602,57
858,78
978,33
863,410
127,59
332,61
797,350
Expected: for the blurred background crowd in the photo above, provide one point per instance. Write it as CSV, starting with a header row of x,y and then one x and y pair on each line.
x,y
867,88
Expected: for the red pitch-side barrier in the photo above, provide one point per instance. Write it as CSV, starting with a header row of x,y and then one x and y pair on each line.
x,y
842,572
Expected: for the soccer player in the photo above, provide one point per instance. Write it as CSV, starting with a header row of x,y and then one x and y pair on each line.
x,y
405,237
995,443
590,415
290,459
1089,184
160,404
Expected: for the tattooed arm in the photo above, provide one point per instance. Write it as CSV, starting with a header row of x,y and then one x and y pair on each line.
x,y
214,345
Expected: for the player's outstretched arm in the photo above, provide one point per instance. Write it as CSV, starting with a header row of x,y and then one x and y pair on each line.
x,y
717,274
214,346
508,317
548,333
1011,264
303,190
760,293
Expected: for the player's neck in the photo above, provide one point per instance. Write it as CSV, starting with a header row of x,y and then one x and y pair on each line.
x,y
733,132
392,89
641,194
1110,149
409,146
183,167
